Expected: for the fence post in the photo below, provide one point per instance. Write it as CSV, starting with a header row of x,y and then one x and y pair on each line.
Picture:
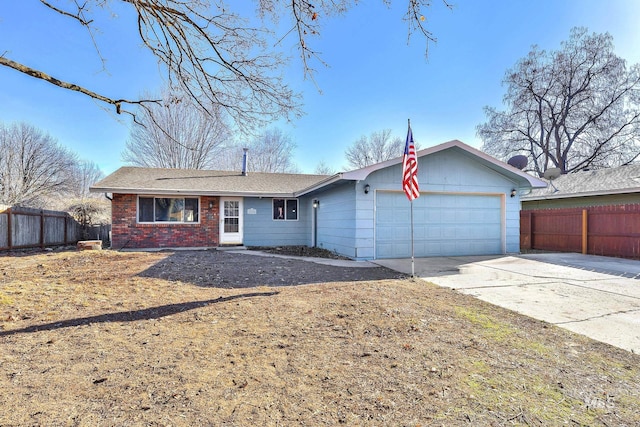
x,y
41,229
584,231
9,229
530,218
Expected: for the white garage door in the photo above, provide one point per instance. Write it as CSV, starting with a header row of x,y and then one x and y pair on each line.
x,y
444,225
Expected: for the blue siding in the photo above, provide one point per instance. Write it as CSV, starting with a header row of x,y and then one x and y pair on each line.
x,y
347,216
337,219
512,219
261,230
447,172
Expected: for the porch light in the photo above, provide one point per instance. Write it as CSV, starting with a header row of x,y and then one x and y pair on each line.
x,y
316,203
367,188
210,205
513,192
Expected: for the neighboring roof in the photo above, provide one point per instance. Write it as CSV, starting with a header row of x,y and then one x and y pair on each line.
x,y
136,180
600,182
492,163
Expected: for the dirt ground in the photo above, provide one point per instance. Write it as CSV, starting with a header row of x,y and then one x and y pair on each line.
x,y
106,338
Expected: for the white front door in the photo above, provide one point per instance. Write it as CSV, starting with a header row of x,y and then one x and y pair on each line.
x,y
230,221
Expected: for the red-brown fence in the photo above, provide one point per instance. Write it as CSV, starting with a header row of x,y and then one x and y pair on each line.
x,y
596,230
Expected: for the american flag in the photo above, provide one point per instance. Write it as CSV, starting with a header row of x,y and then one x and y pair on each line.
x,y
410,169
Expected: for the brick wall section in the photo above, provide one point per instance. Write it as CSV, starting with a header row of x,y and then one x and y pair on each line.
x,y
127,233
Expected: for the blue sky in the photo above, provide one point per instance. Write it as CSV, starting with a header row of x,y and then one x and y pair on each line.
x,y
375,80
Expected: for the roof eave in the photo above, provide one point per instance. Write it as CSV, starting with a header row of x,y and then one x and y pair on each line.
x,y
363,173
318,185
583,194
175,192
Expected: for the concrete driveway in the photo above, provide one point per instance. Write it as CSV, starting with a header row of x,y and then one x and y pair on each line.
x,y
595,296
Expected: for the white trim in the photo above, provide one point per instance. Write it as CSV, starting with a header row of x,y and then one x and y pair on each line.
x,y
231,238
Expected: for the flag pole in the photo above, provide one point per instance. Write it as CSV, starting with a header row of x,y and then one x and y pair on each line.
x,y
413,271
410,183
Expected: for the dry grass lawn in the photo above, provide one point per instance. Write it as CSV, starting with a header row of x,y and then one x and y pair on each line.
x,y
89,339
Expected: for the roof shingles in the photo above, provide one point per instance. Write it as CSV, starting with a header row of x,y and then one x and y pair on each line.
x,y
623,179
136,180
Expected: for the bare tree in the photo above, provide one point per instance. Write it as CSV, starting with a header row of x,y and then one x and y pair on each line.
x,y
213,53
575,108
84,175
272,151
230,157
89,213
177,134
323,168
378,147
33,166
87,208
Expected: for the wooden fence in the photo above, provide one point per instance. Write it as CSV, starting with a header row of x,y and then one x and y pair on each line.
x,y
597,230
33,228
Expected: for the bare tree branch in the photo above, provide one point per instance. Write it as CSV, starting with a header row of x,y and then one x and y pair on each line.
x,y
216,56
117,103
77,16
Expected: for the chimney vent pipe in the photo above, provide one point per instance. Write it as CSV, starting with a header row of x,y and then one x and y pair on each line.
x,y
245,156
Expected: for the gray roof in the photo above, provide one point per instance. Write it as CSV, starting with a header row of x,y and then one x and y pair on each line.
x,y
620,180
136,180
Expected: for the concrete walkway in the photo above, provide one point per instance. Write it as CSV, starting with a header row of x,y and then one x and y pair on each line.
x,y
595,296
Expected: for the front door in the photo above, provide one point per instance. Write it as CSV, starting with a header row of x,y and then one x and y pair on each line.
x,y
231,221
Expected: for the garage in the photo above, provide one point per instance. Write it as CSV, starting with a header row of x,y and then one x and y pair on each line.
x,y
445,224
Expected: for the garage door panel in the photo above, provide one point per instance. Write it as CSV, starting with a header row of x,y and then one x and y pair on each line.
x,y
444,225
389,250
433,216
420,232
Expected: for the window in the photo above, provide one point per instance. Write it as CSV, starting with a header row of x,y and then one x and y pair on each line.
x,y
285,209
168,209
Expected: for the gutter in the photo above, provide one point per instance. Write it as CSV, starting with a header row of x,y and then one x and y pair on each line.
x,y
577,195
156,192
328,181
